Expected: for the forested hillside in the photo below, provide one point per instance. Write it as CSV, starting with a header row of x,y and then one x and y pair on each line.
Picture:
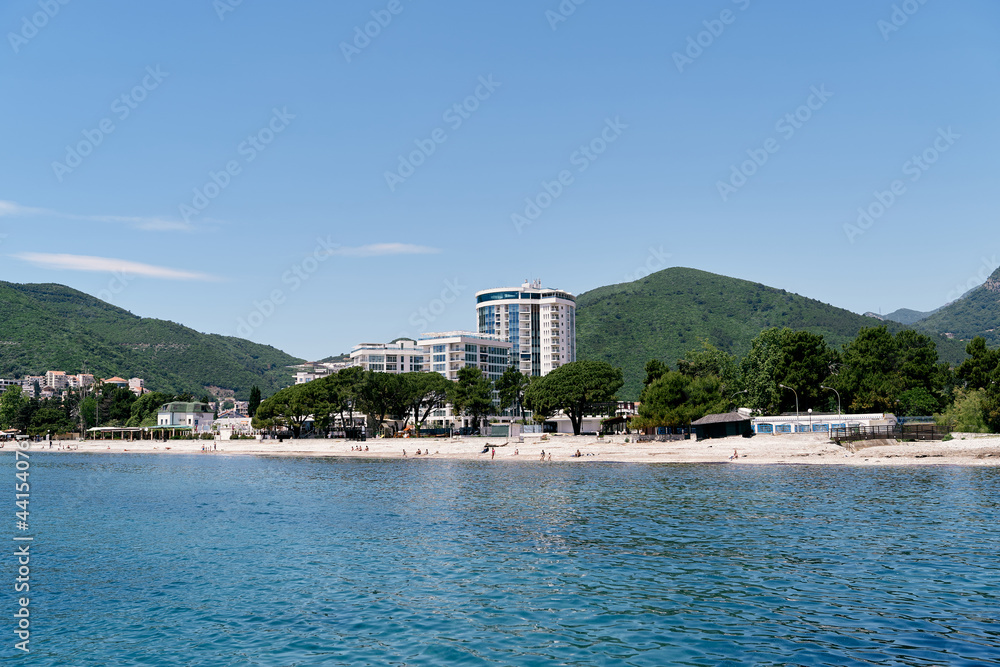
x,y
52,327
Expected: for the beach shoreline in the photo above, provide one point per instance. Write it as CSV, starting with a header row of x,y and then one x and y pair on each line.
x,y
758,450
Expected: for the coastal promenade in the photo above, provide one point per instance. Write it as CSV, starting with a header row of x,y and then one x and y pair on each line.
x,y
978,450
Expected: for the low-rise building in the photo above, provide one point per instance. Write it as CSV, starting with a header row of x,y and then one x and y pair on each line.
x,y
80,380
404,355
137,386
233,422
29,382
808,422
117,382
196,415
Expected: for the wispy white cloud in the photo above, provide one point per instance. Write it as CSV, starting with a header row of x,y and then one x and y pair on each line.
x,y
10,208
154,224
107,265
382,249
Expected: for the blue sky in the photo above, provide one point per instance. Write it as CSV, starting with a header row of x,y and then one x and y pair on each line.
x,y
268,170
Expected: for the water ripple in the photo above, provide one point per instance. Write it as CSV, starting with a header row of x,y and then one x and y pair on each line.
x,y
247,561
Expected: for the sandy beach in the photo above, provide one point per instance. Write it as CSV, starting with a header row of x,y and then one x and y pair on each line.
x,y
976,450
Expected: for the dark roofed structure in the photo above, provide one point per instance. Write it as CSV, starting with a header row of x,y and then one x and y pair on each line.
x,y
723,425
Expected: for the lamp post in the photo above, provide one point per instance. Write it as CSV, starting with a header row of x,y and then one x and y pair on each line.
x,y
838,398
796,400
743,391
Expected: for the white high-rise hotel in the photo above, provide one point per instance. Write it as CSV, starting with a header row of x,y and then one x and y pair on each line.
x,y
539,322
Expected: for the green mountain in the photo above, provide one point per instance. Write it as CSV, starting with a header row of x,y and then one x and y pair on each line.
x,y
668,313
975,314
52,327
907,316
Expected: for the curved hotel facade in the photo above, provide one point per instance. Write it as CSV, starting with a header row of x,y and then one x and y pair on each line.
x,y
539,322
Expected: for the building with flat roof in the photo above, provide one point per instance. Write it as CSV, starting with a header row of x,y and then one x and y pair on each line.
x,y
539,322
56,379
451,351
404,355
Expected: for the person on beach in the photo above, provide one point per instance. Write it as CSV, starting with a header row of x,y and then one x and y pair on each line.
x,y
735,455
493,454
543,455
404,453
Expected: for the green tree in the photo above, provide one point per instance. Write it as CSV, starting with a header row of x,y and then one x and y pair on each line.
x,y
289,408
760,371
976,371
116,405
380,395
254,402
575,388
49,419
144,409
879,368
710,361
676,399
24,416
88,409
510,388
967,414
655,369
424,393
472,395
11,403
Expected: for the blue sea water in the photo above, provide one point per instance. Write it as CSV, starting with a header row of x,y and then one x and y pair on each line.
x,y
212,560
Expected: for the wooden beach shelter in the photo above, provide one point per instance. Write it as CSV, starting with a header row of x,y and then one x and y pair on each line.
x,y
723,425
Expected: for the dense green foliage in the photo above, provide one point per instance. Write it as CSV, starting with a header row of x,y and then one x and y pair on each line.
x,y
379,396
676,399
975,314
472,395
52,327
510,389
574,388
670,312
785,370
112,406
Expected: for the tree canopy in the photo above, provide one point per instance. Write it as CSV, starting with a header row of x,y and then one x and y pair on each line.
x,y
575,388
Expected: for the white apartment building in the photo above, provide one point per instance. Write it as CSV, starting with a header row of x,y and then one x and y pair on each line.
x,y
401,356
137,386
451,351
539,322
56,379
315,370
80,380
28,384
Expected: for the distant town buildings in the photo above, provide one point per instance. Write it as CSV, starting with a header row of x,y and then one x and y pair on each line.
x,y
55,384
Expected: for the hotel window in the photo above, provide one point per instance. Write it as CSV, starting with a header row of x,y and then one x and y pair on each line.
x,y
440,348
439,357
390,358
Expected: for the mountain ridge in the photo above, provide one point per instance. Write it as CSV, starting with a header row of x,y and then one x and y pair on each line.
x,y
669,313
46,326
